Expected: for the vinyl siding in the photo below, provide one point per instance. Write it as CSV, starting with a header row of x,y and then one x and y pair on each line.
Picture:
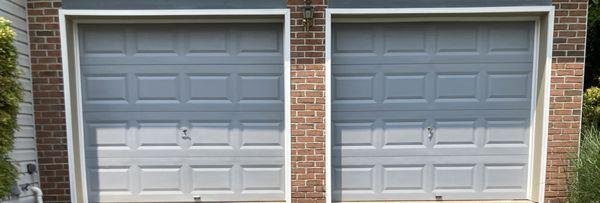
x,y
25,143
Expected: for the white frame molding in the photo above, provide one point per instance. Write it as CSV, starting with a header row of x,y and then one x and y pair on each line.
x,y
68,20
543,16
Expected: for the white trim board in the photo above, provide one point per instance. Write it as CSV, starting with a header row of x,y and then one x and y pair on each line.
x,y
543,18
72,79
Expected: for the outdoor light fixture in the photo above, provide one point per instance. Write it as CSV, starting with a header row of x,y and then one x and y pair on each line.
x,y
308,12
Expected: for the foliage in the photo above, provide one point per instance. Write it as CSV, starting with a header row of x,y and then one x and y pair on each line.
x,y
8,175
591,107
10,96
585,186
592,69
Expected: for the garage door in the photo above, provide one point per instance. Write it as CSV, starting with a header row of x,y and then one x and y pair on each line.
x,y
425,111
175,112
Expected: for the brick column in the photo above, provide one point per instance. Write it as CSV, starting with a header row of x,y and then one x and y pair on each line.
x,y
566,94
308,104
46,72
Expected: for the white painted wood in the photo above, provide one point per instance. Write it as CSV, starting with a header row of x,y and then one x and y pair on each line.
x,y
68,106
534,92
178,12
457,10
288,107
328,133
546,109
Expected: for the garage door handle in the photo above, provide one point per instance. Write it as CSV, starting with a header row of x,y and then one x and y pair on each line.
x,y
430,133
184,133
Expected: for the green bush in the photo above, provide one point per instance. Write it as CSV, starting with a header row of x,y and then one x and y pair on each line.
x,y
10,97
585,186
591,107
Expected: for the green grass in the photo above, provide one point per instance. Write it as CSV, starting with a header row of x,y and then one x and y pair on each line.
x,y
585,185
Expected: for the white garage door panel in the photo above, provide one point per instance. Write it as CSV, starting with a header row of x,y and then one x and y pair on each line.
x,y
124,134
469,82
424,177
463,133
179,179
143,85
433,86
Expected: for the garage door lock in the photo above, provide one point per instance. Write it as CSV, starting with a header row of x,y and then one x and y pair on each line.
x,y
197,198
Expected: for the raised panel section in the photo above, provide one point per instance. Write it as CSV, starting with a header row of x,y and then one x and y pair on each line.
x,y
209,87
457,39
207,40
104,41
354,87
158,134
354,41
160,179
508,86
108,88
157,87
256,87
107,134
404,134
206,134
256,178
405,40
453,177
353,134
510,38
221,82
261,134
502,132
354,178
259,41
426,109
160,42
109,179
504,177
405,87
403,177
456,86
455,132
212,178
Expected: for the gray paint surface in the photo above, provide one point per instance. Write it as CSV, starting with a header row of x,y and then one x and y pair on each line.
x,y
469,82
144,84
25,143
433,3
173,4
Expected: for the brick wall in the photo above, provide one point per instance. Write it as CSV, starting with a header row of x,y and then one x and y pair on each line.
x,y
46,71
566,91
308,102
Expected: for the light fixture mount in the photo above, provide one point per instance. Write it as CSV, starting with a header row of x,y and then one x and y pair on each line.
x,y
308,12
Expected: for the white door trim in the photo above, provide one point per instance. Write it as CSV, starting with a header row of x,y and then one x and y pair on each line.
x,y
543,16
72,78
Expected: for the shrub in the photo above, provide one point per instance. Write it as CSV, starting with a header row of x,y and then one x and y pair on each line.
x,y
591,106
10,96
585,185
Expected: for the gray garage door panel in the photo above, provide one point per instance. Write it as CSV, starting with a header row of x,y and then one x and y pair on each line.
x,y
144,84
469,82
